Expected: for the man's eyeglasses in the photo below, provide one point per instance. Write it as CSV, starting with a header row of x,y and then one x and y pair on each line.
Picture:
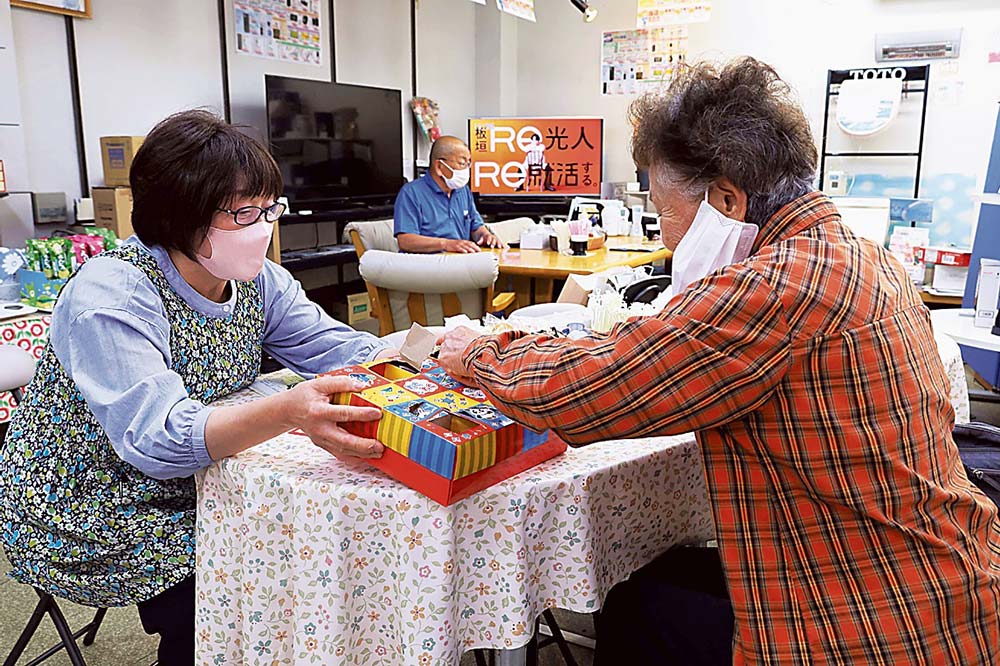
x,y
459,164
247,215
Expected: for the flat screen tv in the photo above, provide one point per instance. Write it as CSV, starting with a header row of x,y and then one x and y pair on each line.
x,y
335,143
513,157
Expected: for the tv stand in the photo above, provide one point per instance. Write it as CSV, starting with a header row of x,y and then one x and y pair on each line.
x,y
344,212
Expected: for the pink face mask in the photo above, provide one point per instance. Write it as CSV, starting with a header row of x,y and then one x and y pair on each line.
x,y
237,254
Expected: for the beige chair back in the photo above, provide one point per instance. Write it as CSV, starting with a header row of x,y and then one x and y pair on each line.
x,y
426,288
372,235
509,231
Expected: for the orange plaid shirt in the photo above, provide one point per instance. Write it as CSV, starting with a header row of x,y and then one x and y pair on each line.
x,y
847,528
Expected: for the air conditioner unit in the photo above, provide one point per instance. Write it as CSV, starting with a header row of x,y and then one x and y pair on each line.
x,y
925,45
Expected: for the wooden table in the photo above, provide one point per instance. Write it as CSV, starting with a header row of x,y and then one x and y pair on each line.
x,y
937,299
546,266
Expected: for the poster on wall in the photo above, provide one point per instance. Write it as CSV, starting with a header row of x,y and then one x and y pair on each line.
x,y
520,8
287,30
659,13
634,62
532,156
74,8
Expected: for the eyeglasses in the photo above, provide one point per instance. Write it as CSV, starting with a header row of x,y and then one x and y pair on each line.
x,y
460,164
248,215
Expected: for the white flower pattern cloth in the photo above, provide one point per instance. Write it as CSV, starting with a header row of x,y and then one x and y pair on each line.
x,y
305,559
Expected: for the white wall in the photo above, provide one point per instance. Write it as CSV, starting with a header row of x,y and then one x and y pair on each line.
x,y
246,73
447,53
46,103
141,61
559,72
816,36
559,56
15,209
373,48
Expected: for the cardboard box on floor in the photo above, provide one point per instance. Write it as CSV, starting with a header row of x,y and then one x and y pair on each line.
x,y
359,308
113,209
117,153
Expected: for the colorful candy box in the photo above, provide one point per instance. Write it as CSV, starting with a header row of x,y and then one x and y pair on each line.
x,y
442,438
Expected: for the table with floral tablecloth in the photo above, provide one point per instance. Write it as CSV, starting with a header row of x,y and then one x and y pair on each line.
x,y
30,333
305,559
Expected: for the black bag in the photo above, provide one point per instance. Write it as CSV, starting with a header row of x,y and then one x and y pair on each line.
x,y
979,449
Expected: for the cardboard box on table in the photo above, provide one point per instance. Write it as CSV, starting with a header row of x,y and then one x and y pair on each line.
x,y
442,438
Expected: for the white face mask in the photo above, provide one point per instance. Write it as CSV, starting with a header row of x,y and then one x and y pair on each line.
x,y
712,242
459,177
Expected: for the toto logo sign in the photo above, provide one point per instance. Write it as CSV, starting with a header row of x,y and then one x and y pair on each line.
x,y
887,73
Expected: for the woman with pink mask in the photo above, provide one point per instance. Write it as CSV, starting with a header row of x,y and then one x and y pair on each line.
x,y
97,498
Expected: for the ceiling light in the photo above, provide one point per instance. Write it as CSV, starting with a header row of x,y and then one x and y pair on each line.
x,y
589,13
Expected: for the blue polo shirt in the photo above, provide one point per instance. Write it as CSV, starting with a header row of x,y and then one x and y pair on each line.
x,y
423,208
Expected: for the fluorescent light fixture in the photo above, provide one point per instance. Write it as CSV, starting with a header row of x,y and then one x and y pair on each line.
x,y
589,13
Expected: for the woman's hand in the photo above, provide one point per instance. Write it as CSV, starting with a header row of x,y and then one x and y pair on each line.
x,y
453,345
310,410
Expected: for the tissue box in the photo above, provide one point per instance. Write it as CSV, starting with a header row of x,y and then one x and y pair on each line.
x,y
38,290
535,238
442,438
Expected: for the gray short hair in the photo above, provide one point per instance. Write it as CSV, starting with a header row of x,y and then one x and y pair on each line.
x,y
740,122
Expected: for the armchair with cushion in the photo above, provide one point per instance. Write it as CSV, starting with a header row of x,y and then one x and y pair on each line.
x,y
426,288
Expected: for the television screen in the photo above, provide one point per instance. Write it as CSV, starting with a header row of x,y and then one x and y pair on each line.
x,y
335,141
536,156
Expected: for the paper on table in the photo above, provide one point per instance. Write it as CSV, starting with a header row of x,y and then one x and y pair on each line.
x,y
418,345
275,383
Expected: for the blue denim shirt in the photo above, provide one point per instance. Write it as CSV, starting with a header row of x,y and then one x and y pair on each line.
x,y
423,208
111,334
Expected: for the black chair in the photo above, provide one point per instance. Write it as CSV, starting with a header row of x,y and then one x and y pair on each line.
x,y
486,657
645,290
67,637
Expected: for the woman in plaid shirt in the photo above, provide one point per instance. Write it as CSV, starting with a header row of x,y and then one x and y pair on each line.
x,y
847,530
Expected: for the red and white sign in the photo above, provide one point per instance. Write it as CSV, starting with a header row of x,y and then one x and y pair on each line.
x,y
947,256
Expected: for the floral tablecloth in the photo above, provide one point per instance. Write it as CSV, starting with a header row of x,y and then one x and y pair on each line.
x,y
29,333
305,559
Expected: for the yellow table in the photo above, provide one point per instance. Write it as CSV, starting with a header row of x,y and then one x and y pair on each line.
x,y
545,266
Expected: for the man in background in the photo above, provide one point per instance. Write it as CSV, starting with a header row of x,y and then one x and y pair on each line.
x,y
436,212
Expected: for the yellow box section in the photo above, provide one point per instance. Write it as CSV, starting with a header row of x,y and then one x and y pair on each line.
x,y
388,370
475,455
342,399
395,432
387,394
451,400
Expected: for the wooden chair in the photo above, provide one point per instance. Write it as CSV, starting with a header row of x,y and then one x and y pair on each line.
x,y
423,288
374,235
